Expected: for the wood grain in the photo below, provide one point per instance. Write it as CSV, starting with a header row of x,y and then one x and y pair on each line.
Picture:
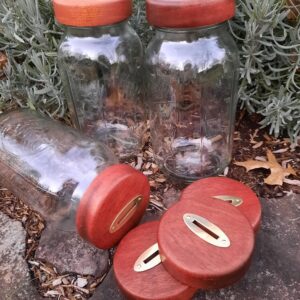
x,y
154,284
104,199
188,13
215,186
193,261
89,13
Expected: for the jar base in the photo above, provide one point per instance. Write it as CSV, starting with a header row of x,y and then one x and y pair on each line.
x,y
185,177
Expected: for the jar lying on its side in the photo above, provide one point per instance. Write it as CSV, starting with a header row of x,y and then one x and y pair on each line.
x,y
71,180
100,60
191,74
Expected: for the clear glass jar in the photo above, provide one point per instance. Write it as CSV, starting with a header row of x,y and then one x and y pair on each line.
x,y
192,76
58,172
100,63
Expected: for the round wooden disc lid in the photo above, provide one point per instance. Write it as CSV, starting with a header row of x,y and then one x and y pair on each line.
x,y
89,13
228,190
188,13
113,203
205,246
151,284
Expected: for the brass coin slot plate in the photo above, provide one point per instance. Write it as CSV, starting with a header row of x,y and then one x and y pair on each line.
x,y
125,214
148,259
235,201
206,230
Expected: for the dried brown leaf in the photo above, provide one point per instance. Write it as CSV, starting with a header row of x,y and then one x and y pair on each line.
x,y
257,145
278,173
253,164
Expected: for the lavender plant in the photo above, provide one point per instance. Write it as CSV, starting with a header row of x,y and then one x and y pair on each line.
x,y
267,33
29,37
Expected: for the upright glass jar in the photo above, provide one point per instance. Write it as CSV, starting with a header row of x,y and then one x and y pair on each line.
x,y
191,74
100,60
71,180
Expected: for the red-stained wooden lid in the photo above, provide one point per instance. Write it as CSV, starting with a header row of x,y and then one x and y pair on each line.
x,y
189,13
114,203
89,13
226,189
153,284
221,252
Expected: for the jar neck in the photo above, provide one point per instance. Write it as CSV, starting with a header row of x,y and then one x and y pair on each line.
x,y
95,31
202,31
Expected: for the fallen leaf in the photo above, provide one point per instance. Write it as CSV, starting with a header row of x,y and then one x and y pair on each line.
x,y
281,150
56,282
257,145
267,137
147,173
253,136
292,182
278,173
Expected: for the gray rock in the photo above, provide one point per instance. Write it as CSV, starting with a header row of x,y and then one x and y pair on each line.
x,y
15,283
69,253
275,270
108,290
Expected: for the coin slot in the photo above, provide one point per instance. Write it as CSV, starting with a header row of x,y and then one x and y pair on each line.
x,y
152,256
206,230
233,200
125,214
148,260
215,236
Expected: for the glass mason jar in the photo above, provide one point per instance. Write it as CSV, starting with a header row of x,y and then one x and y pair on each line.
x,y
100,60
68,178
192,75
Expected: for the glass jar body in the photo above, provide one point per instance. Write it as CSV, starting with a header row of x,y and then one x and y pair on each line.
x,y
101,68
191,89
48,165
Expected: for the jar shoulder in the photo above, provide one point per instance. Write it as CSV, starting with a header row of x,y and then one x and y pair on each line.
x,y
192,50
125,46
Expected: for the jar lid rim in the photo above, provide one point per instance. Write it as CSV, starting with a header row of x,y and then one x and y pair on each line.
x,y
90,13
188,14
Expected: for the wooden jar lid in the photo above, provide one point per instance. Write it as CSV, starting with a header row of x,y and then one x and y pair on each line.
x,y
188,13
113,204
205,246
152,284
226,189
89,13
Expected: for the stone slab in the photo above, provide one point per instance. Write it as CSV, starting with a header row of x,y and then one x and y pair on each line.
x,y
15,283
69,253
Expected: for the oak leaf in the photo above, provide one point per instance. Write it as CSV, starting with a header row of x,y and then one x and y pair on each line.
x,y
278,173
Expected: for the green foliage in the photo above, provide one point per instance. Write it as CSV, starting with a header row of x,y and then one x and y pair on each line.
x,y
270,62
269,51
29,37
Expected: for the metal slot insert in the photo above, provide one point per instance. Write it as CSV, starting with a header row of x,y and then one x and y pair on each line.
x,y
206,230
235,201
148,260
125,214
